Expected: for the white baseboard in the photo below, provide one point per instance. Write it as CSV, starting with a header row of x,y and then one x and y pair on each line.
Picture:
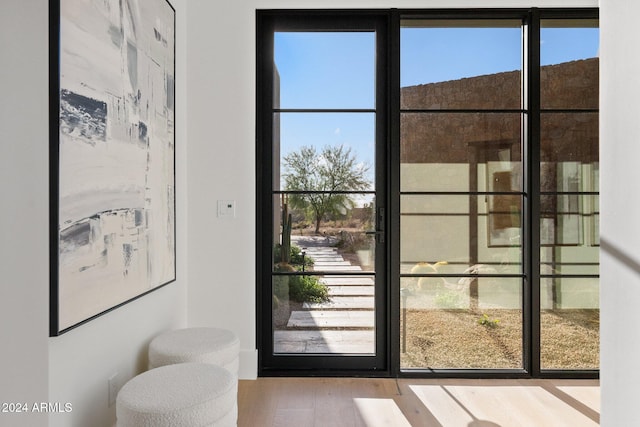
x,y
248,364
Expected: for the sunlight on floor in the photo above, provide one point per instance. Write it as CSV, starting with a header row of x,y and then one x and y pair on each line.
x,y
589,396
389,402
380,413
525,406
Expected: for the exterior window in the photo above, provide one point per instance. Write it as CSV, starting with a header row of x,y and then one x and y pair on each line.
x,y
465,240
461,192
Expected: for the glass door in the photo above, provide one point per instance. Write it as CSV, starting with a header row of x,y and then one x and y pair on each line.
x,y
323,301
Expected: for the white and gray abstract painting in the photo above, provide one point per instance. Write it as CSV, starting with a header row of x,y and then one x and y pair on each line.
x,y
116,154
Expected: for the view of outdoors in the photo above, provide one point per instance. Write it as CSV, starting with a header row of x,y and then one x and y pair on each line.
x,y
462,196
324,177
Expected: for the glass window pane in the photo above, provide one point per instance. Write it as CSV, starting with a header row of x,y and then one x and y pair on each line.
x,y
347,238
325,70
317,315
344,246
443,234
460,152
569,202
312,148
569,52
323,172
460,64
461,323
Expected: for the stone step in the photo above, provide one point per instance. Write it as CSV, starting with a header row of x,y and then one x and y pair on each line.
x,y
343,303
337,290
322,257
354,342
330,263
326,258
339,268
347,280
331,319
320,250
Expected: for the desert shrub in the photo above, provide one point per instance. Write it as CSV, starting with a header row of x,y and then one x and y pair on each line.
x,y
297,288
485,320
298,259
307,289
295,256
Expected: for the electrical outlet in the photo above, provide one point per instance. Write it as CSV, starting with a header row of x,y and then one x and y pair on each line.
x,y
114,387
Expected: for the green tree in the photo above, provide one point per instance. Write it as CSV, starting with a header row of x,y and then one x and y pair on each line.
x,y
324,177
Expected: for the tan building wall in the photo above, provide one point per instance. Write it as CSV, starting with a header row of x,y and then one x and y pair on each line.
x,y
445,150
443,137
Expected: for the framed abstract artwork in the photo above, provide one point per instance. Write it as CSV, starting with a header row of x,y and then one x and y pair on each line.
x,y
112,155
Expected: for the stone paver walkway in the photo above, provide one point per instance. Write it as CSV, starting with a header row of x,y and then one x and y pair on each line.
x,y
343,325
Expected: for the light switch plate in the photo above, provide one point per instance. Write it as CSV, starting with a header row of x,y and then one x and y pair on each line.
x,y
226,208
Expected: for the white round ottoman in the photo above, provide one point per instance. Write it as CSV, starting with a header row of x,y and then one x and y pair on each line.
x,y
205,345
185,395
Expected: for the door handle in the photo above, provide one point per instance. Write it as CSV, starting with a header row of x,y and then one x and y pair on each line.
x,y
379,231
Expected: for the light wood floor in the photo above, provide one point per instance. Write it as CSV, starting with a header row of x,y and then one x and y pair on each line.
x,y
346,402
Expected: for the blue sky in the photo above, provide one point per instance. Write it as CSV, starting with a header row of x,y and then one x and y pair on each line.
x,y
336,70
562,45
430,55
326,70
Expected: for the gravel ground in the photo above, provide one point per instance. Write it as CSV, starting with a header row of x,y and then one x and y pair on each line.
x,y
455,339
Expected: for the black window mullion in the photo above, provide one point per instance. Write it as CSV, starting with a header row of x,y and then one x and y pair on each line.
x,y
531,252
264,198
393,155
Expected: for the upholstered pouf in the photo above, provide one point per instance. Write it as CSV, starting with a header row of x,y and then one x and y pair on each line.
x,y
185,395
205,345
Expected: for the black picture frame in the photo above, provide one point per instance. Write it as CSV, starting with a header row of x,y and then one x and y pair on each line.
x,y
112,155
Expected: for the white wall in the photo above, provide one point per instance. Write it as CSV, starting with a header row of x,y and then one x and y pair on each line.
x,y
75,367
24,223
82,360
221,165
620,207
